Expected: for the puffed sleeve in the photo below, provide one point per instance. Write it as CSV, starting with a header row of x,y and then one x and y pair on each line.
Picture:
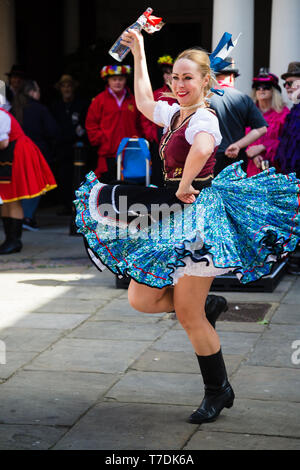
x,y
5,125
163,112
203,121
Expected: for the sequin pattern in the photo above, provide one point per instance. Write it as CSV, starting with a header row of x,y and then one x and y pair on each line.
x,y
238,224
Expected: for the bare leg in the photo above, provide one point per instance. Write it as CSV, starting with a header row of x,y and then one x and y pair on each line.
x,y
150,300
190,295
13,210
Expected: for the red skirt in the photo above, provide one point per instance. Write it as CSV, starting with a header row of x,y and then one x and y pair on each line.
x,y
31,175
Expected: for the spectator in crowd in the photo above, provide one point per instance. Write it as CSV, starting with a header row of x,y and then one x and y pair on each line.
x,y
40,126
267,97
112,116
235,111
24,173
287,158
16,78
153,133
288,153
69,112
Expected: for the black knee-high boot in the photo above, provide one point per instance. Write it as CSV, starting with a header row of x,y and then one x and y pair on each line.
x,y
214,306
13,233
218,391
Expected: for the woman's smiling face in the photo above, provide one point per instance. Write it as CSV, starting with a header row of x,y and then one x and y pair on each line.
x,y
187,82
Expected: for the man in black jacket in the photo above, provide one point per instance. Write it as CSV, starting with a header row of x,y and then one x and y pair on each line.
x,y
235,111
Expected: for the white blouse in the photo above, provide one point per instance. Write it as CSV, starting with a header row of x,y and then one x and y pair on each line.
x,y
202,121
5,125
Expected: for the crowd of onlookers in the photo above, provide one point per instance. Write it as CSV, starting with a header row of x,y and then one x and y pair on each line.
x,y
261,130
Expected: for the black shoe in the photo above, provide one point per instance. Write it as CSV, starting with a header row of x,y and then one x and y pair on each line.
x,y
11,246
212,404
13,233
30,224
214,306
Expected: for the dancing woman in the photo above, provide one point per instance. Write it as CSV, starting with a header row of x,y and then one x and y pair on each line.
x,y
227,229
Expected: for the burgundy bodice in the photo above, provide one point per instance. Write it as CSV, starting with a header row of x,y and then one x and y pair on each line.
x,y
174,149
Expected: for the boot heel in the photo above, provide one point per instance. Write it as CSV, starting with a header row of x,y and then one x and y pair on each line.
x,y
229,404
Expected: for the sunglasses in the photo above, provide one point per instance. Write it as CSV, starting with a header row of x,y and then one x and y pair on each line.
x,y
288,84
264,86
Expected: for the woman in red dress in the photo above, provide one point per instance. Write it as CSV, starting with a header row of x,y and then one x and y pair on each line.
x,y
24,174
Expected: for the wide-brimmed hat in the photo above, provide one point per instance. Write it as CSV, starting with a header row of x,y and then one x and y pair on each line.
x,y
265,77
231,68
113,70
292,71
66,78
17,71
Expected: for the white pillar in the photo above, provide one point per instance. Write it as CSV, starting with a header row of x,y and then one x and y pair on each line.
x,y
7,37
237,16
285,40
71,26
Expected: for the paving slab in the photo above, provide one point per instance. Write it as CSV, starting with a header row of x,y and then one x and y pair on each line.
x,y
158,387
205,440
58,321
39,397
276,296
287,314
120,310
29,437
14,361
94,293
164,361
29,339
90,355
119,331
124,426
275,346
268,383
232,342
246,327
258,417
69,305
293,295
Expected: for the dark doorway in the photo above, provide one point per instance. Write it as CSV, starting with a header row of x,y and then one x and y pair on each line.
x,y
39,27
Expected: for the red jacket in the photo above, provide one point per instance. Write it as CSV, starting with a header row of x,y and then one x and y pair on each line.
x,y
107,124
149,128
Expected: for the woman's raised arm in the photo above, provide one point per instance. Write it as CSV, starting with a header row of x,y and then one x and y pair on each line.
x,y
142,85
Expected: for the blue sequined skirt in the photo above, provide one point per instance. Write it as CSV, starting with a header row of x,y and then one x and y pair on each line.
x,y
238,224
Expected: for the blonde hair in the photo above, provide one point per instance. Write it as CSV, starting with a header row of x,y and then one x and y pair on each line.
x,y
200,58
277,101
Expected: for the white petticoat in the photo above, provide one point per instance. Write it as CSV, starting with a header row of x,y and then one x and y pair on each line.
x,y
201,269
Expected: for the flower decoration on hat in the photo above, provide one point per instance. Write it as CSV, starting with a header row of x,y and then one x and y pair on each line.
x,y
111,70
165,60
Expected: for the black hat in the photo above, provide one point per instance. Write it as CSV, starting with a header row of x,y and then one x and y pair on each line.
x,y
265,77
17,71
230,68
293,70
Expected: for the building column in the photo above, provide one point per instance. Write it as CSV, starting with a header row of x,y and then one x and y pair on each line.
x,y
237,16
285,44
71,26
7,37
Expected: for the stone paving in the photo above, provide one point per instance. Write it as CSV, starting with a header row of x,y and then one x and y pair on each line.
x,y
81,370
